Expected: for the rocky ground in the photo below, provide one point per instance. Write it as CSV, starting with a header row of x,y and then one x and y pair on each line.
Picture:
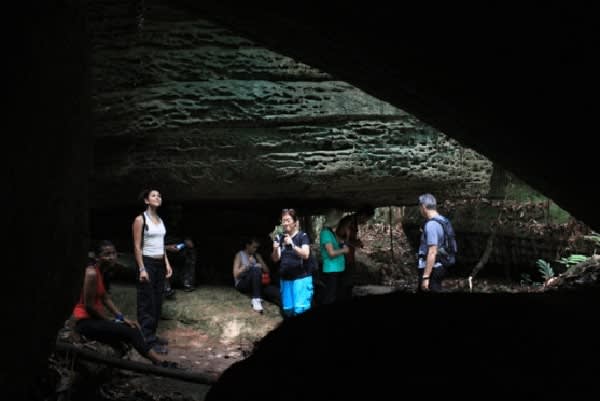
x,y
207,329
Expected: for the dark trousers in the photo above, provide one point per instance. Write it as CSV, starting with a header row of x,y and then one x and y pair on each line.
x,y
435,279
250,282
184,274
345,282
189,274
150,297
112,333
331,292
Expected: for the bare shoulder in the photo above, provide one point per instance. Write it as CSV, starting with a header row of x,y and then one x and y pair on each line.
x,y
138,221
90,271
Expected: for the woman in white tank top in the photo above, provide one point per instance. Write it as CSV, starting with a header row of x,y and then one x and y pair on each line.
x,y
153,267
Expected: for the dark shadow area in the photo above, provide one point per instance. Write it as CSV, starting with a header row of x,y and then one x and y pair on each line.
x,y
452,346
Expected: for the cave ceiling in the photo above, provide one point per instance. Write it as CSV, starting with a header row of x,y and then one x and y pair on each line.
x,y
186,105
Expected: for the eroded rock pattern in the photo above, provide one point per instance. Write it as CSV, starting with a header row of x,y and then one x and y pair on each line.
x,y
207,114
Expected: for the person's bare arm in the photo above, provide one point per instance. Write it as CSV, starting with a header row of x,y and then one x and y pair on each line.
x,y
172,248
238,268
168,265
90,283
303,251
430,261
136,229
335,252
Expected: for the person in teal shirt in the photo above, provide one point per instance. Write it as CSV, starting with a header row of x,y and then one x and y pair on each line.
x,y
332,254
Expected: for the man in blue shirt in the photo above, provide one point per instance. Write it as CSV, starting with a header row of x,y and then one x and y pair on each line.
x,y
431,272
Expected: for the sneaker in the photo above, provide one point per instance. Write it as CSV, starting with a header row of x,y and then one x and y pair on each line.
x,y
257,304
188,288
170,294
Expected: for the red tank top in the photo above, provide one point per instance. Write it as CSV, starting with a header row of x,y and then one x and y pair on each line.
x,y
79,311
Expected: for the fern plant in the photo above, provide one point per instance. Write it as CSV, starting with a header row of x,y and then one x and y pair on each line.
x,y
573,259
545,269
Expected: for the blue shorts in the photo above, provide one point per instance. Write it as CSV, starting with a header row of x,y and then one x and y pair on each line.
x,y
296,295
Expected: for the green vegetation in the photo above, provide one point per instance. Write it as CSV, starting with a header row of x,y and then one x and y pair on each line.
x,y
594,238
545,269
519,191
573,259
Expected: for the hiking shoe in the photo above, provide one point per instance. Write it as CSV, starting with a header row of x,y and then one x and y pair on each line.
x,y
257,304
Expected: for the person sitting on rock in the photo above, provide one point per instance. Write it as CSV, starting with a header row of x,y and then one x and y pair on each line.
x,y
248,270
90,315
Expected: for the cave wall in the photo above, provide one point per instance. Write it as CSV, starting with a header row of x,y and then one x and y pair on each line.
x,y
47,166
516,84
207,114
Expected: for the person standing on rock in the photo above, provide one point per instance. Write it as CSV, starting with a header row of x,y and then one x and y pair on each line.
x,y
348,231
291,249
333,250
153,267
430,272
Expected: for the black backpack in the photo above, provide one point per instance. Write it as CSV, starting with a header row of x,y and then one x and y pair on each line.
x,y
311,265
446,254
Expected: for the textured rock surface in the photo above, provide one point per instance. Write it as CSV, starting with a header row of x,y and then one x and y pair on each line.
x,y
205,114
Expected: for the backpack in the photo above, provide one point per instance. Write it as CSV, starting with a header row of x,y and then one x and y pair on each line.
x,y
311,265
446,253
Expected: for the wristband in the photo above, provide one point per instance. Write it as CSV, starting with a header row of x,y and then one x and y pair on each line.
x,y
119,317
425,278
142,269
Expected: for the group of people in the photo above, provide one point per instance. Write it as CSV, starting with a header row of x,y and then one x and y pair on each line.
x,y
153,269
338,240
291,249
338,245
